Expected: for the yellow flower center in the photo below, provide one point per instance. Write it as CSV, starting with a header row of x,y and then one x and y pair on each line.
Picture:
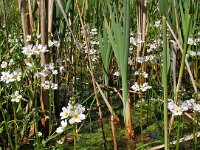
x,y
76,116
66,114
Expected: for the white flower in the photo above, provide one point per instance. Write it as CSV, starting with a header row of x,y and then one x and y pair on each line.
x,y
50,43
61,68
4,64
140,59
7,77
17,75
45,72
77,116
191,41
30,65
16,97
62,127
63,123
60,142
146,58
39,134
130,62
44,49
65,113
28,38
54,72
136,73
37,49
45,85
171,105
151,57
196,107
79,108
145,75
59,130
69,107
157,23
54,86
192,53
51,66
191,102
143,88
56,43
133,41
93,31
184,106
149,50
116,73
29,50
135,87
177,111
153,46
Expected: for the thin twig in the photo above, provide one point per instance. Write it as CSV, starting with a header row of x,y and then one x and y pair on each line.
x,y
108,104
113,133
92,74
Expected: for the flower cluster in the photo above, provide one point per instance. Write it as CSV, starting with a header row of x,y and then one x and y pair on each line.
x,y
31,49
73,113
94,44
141,73
184,106
193,41
54,43
146,58
8,77
135,42
142,87
48,84
48,69
50,42
193,53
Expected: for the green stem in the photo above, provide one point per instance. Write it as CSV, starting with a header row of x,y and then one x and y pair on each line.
x,y
164,26
6,126
75,136
15,126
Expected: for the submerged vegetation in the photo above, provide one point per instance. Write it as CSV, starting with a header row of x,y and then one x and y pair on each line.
x,y
99,74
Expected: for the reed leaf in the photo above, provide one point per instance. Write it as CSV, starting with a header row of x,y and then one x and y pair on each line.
x,y
106,53
119,35
163,5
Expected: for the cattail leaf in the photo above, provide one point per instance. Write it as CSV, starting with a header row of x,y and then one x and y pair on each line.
x,y
163,6
105,51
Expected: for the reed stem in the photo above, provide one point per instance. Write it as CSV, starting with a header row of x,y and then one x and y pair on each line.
x,y
164,26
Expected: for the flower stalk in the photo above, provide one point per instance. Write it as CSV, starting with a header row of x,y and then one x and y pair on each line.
x,y
164,77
